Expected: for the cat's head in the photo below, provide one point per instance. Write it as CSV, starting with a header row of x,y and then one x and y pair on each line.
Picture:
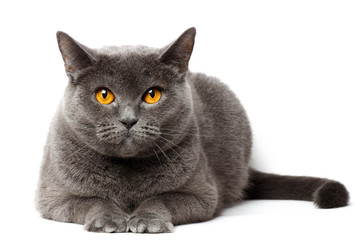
x,y
127,101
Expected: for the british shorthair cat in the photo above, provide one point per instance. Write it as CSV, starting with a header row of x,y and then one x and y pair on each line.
x,y
139,143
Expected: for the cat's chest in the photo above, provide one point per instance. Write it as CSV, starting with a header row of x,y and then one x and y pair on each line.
x,y
125,182
105,178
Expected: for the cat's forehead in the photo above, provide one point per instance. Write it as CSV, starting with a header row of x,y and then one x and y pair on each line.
x,y
127,59
130,68
125,51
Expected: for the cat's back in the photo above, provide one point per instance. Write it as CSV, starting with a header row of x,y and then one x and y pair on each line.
x,y
224,132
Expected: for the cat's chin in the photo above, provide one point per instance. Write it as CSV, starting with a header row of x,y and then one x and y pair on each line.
x,y
128,148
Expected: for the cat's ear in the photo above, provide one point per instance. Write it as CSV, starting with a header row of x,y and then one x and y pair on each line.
x,y
75,55
179,52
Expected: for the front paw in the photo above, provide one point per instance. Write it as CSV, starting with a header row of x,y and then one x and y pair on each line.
x,y
150,223
106,222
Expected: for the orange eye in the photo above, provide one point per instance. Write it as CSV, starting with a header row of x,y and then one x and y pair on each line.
x,y
152,96
104,96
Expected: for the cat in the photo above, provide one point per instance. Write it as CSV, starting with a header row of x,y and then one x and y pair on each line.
x,y
139,143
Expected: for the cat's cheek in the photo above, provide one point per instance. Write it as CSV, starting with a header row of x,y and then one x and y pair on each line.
x,y
106,108
149,107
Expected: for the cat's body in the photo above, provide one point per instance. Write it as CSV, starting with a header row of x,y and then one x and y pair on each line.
x,y
134,165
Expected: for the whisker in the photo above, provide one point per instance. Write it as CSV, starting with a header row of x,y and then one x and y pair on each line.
x,y
150,127
166,156
77,151
157,156
104,130
112,136
172,149
147,139
173,132
175,145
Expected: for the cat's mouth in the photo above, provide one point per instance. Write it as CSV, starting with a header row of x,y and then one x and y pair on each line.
x,y
120,142
128,140
112,134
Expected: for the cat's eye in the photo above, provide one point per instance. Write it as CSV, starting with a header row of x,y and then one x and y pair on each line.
x,y
152,95
104,96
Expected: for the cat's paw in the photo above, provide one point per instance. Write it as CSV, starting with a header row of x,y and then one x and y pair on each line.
x,y
107,222
149,223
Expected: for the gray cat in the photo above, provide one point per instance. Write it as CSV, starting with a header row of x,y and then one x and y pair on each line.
x,y
139,143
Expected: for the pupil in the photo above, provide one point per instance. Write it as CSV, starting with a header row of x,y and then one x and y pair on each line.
x,y
104,93
152,93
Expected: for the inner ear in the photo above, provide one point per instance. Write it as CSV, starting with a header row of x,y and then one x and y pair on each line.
x,y
75,55
179,53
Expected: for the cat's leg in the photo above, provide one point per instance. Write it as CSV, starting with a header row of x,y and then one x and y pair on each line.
x,y
161,213
98,215
105,217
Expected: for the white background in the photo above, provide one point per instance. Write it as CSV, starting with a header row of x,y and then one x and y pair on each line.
x,y
295,65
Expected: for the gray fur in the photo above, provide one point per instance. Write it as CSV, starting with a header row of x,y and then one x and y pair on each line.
x,y
184,160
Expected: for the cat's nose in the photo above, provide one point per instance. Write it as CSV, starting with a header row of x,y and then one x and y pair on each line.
x,y
128,117
129,122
